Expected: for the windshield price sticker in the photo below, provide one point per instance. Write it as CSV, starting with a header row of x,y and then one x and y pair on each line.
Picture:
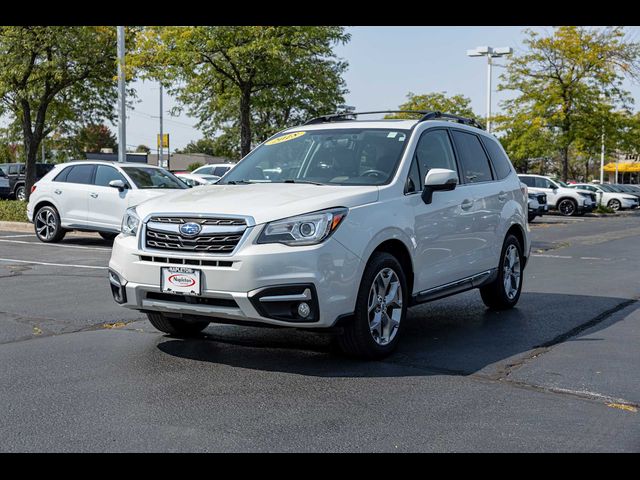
x,y
285,138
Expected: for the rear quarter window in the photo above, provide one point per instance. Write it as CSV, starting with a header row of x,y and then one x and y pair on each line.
x,y
473,159
501,163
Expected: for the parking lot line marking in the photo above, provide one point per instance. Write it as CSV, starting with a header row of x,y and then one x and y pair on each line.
x,y
55,245
16,236
14,260
550,256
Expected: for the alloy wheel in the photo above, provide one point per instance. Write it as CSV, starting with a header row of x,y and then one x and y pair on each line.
x,y
46,223
385,306
567,207
614,205
20,194
511,271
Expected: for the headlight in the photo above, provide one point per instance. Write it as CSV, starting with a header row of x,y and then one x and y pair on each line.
x,y
307,229
130,222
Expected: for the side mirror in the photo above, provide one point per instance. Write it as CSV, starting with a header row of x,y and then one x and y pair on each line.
x,y
119,184
438,180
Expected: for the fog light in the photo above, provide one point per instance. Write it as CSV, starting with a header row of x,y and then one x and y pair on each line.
x,y
304,310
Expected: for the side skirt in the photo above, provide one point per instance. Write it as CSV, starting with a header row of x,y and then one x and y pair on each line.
x,y
452,288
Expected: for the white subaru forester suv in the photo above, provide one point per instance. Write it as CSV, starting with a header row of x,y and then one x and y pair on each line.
x,y
357,221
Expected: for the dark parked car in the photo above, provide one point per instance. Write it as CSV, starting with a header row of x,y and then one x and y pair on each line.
x,y
4,185
16,174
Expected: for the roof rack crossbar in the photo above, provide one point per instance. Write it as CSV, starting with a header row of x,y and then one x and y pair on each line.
x,y
425,115
337,117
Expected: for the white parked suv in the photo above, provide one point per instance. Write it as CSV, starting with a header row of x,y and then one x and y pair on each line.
x,y
92,196
567,201
607,196
364,219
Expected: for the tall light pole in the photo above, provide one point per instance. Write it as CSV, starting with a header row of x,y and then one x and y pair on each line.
x,y
122,114
160,152
490,53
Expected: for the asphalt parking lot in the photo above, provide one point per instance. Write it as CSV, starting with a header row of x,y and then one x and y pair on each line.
x,y
561,372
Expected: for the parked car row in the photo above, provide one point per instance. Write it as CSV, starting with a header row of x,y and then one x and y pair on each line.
x,y
14,175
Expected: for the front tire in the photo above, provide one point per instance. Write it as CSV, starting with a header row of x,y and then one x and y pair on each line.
x,y
614,205
174,326
567,207
532,217
503,293
47,225
108,235
381,307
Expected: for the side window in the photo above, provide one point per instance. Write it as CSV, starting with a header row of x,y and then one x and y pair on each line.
x,y
220,171
501,163
13,169
434,151
81,174
62,176
104,174
473,161
542,182
413,180
528,181
23,169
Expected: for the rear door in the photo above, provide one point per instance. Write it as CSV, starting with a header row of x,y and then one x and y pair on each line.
x,y
107,204
71,189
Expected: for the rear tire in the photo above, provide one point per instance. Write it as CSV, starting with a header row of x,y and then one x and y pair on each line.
x,y
503,293
381,306
176,327
108,235
46,222
532,217
21,193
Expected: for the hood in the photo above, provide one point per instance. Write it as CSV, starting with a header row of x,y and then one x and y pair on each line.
x,y
264,202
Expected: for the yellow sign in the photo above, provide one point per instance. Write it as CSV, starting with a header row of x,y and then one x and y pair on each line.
x,y
285,138
165,138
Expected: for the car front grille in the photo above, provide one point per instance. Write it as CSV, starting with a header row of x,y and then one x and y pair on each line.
x,y
163,233
542,199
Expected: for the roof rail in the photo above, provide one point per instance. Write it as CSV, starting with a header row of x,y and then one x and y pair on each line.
x,y
425,115
449,116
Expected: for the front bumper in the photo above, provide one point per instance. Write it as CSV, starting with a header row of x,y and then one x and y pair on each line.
x,y
230,289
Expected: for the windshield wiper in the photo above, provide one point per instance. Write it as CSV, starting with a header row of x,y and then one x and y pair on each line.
x,y
292,180
237,182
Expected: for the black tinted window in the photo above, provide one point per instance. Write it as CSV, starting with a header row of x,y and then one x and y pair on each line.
x,y
542,183
501,163
62,176
149,177
473,160
220,171
80,174
434,151
105,174
413,181
528,181
13,169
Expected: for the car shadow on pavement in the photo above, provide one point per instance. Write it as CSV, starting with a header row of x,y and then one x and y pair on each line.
x,y
456,336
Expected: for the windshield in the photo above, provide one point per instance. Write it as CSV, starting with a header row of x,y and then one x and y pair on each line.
x,y
606,188
337,157
149,177
561,183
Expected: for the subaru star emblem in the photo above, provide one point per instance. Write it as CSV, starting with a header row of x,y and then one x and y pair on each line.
x,y
190,229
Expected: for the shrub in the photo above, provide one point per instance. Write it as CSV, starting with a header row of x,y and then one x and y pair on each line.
x,y
193,166
13,211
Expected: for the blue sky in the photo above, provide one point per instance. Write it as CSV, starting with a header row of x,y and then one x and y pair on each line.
x,y
385,63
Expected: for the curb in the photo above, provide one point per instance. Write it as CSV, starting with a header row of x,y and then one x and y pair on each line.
x,y
16,226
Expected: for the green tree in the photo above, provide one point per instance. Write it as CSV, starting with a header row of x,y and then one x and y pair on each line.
x,y
560,80
436,102
142,149
55,76
208,146
246,79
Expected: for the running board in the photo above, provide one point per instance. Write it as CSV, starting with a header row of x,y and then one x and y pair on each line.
x,y
452,288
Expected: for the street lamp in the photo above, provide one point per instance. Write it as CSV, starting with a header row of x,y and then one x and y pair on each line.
x,y
490,53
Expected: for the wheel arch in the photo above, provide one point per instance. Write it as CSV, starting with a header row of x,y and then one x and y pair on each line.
x,y
399,250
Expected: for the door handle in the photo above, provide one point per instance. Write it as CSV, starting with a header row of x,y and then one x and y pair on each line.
x,y
57,192
94,195
502,196
467,204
